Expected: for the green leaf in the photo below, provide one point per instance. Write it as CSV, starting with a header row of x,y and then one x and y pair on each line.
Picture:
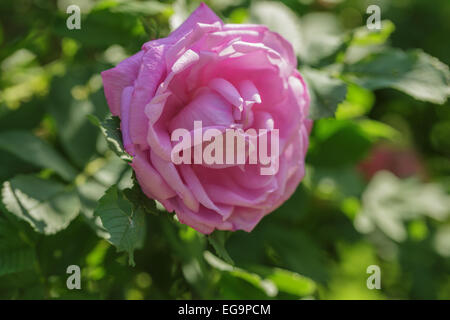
x,y
440,136
217,240
361,42
376,130
414,72
72,97
105,28
326,93
188,246
265,285
16,260
15,254
283,243
287,281
11,165
338,143
321,37
48,206
296,251
110,128
358,102
77,136
279,18
363,36
314,36
35,151
388,202
140,8
125,225
333,183
105,173
139,199
26,117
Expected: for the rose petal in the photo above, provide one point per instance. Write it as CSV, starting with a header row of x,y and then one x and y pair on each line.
x,y
151,71
196,187
124,119
116,79
170,174
149,179
202,14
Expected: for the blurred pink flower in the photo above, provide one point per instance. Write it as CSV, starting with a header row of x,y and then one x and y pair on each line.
x,y
401,162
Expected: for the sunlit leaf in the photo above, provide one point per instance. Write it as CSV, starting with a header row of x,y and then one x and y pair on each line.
x,y
363,36
278,18
376,130
110,128
314,36
287,281
358,102
388,202
414,72
321,37
326,93
48,206
101,174
267,286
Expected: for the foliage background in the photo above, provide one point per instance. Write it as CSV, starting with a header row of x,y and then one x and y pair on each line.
x,y
55,163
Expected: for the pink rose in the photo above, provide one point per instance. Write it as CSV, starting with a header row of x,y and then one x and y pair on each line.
x,y
227,76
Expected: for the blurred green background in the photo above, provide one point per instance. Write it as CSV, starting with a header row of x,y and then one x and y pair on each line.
x,y
376,190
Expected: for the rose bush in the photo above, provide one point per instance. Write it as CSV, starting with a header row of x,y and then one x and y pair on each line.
x,y
226,76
